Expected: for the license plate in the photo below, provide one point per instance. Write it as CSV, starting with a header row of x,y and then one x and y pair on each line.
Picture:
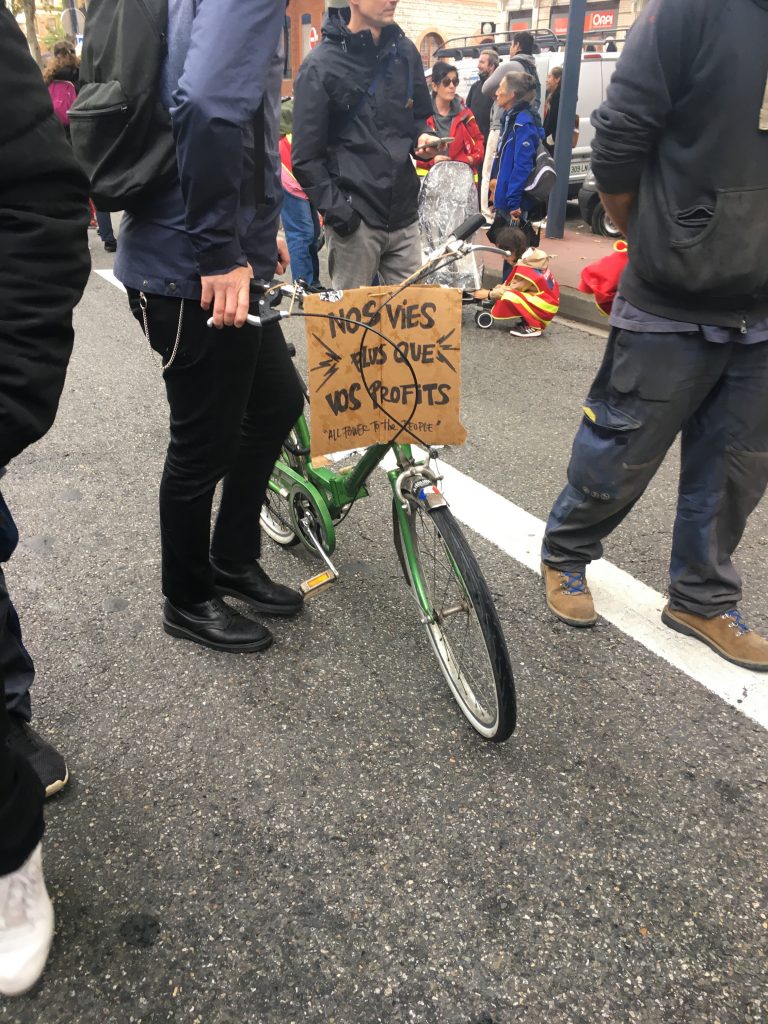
x,y
579,169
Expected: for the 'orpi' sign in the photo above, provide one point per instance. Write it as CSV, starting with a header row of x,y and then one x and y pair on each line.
x,y
418,377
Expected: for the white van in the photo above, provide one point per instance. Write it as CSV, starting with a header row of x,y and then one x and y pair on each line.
x,y
596,71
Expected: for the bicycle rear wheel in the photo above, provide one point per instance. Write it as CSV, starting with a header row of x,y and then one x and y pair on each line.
x,y
275,515
462,623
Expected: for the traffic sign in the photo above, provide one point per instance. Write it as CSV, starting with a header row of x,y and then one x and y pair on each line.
x,y
314,38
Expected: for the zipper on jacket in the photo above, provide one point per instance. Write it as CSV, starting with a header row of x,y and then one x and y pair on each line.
x,y
114,108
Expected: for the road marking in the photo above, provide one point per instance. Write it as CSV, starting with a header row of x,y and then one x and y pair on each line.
x,y
109,276
628,604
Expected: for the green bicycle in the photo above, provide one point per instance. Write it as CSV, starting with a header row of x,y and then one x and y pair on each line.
x,y
307,501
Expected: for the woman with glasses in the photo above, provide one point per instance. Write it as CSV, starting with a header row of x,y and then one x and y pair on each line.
x,y
451,119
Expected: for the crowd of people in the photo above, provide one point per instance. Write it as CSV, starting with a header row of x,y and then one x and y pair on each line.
x,y
687,353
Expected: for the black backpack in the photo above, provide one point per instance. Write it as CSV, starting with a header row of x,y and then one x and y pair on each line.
x,y
121,132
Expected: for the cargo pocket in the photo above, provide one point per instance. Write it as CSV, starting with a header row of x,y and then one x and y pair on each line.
x,y
736,226
597,466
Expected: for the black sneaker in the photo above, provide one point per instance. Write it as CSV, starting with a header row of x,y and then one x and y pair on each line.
x,y
49,765
524,330
111,246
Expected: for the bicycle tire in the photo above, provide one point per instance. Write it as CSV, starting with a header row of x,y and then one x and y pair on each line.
x,y
275,517
460,602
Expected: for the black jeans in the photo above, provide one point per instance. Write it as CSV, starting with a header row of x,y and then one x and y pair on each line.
x,y
234,396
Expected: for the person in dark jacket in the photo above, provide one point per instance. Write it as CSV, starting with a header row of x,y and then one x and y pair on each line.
x,y
44,239
552,110
190,253
477,101
360,111
688,350
452,118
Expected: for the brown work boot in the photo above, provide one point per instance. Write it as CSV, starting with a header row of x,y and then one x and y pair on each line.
x,y
568,596
728,635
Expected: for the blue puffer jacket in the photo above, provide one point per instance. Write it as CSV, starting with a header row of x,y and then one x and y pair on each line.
x,y
515,157
222,87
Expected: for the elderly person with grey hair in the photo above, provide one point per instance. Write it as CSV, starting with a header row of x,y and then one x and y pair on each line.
x,y
520,59
516,153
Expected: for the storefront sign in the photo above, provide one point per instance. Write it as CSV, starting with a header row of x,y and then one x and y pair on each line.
x,y
594,21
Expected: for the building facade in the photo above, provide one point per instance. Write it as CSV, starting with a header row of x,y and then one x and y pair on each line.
x,y
429,23
603,18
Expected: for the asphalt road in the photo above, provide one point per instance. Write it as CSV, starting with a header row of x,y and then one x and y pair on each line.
x,y
314,834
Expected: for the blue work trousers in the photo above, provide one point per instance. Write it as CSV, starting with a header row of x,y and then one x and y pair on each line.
x,y
650,388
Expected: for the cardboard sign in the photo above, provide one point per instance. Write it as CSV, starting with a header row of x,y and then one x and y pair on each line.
x,y
416,377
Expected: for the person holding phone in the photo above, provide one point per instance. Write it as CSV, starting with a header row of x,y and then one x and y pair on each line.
x,y
359,116
452,123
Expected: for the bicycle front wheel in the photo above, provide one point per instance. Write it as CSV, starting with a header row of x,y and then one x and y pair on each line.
x,y
461,621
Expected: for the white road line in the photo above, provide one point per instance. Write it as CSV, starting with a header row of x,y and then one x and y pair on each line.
x,y
109,276
628,604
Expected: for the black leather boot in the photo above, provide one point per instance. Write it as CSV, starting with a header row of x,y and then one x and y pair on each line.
x,y
214,624
251,584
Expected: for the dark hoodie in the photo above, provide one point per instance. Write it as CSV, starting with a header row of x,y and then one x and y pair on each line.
x,y
358,111
685,126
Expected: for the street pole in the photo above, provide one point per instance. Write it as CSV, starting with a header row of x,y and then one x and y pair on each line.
x,y
72,19
569,92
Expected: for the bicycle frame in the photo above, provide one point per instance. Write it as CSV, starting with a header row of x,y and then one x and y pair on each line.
x,y
332,492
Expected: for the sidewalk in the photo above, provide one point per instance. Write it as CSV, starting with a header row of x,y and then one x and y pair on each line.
x,y
572,253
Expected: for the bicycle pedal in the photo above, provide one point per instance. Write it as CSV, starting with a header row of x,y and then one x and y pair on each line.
x,y
318,582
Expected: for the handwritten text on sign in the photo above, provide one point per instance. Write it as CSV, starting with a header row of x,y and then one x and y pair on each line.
x,y
418,377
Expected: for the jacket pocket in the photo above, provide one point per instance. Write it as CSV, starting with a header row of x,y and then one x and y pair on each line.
x,y
719,252
97,121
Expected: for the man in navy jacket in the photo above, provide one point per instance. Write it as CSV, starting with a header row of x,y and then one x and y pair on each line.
x,y
192,252
681,160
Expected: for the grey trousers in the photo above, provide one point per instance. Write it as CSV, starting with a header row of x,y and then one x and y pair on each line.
x,y
649,388
354,261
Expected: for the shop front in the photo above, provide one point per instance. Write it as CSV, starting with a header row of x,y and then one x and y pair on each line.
x,y
600,20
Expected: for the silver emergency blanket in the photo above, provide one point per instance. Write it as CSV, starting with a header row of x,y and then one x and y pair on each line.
x,y
448,196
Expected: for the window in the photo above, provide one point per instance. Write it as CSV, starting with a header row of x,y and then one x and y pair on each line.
x,y
428,46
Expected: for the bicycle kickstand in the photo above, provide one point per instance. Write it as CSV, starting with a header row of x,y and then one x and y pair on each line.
x,y
327,576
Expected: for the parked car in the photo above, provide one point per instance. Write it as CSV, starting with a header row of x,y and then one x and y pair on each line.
x,y
596,71
593,211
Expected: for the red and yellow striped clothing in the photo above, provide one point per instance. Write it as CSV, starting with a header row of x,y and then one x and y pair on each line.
x,y
530,294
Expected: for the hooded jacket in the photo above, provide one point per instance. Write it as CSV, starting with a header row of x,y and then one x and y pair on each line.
x,y
358,111
685,126
468,146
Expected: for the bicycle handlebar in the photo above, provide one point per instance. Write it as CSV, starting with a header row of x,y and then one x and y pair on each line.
x,y
454,247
